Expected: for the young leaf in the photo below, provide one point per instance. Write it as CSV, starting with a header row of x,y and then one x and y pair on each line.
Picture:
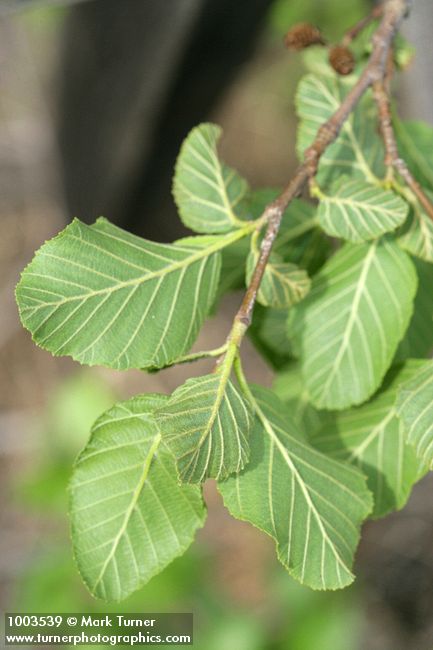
x,y
311,505
268,329
418,340
362,46
104,296
206,191
349,325
299,240
130,518
282,285
358,150
373,439
206,424
358,211
417,234
415,408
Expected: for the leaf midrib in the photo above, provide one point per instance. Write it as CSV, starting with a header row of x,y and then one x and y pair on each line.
x,y
222,185
285,454
366,205
367,263
135,496
174,266
224,378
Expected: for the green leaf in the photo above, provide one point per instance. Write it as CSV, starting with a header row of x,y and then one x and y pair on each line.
x,y
373,439
282,285
404,52
310,252
362,46
415,408
298,226
417,233
233,267
206,424
415,146
268,331
104,296
348,327
299,241
256,201
418,340
358,211
358,150
206,191
310,504
289,386
130,518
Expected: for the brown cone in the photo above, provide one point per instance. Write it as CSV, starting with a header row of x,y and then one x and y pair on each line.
x,y
302,35
341,59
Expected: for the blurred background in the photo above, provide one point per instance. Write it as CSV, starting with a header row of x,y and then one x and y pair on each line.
x,y
95,99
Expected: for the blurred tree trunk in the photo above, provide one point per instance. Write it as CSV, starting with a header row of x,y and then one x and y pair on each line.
x,y
136,75
417,90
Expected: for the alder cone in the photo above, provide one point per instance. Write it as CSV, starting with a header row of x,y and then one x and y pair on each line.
x,y
341,59
302,35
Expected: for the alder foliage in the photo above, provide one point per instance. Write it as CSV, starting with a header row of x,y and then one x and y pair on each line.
x,y
346,324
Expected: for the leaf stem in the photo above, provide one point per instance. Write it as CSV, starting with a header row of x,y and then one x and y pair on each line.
x,y
242,380
359,27
194,356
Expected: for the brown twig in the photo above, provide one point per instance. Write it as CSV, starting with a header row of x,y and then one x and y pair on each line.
x,y
354,31
392,157
393,12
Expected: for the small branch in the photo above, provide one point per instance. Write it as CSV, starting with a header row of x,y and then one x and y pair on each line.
x,y
194,356
354,31
393,12
392,158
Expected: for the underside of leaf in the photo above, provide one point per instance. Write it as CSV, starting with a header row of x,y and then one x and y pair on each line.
x,y
358,150
415,408
311,505
358,211
206,424
372,438
348,327
106,297
207,192
130,518
417,233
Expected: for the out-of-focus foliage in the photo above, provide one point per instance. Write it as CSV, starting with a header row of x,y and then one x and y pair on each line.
x,y
63,430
